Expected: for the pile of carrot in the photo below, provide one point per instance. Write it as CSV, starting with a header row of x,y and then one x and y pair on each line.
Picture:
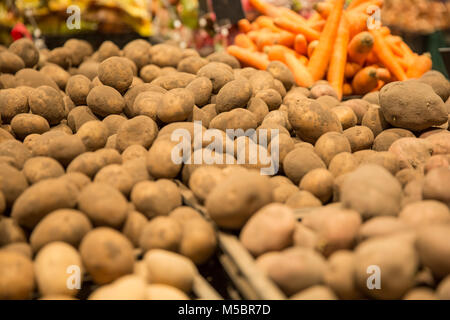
x,y
334,43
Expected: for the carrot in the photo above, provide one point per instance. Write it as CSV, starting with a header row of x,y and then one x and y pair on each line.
x,y
363,7
315,17
321,56
347,89
351,68
421,65
339,58
355,3
385,31
300,44
383,74
248,57
265,8
393,43
288,13
312,46
244,25
365,81
380,84
244,41
357,22
385,55
266,22
290,25
301,74
319,25
360,46
278,53
323,8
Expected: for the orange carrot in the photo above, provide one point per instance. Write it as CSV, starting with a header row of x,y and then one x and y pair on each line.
x,y
300,44
321,56
290,25
266,22
380,84
385,31
265,8
248,57
292,15
244,25
301,74
323,8
319,25
278,53
351,68
421,65
360,46
315,17
312,46
393,43
339,58
244,41
365,81
385,55
355,3
363,7
357,22
383,74
347,89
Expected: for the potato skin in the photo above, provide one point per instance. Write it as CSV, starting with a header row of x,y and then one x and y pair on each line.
x,y
26,50
218,73
330,144
48,103
116,73
279,71
40,168
12,102
163,232
202,89
12,183
104,100
319,182
234,94
26,123
95,250
10,62
299,162
16,276
138,51
141,130
164,55
176,105
360,137
436,185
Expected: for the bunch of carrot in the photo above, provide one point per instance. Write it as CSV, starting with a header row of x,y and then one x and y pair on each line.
x,y
335,43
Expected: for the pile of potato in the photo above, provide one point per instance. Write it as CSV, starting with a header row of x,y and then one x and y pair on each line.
x,y
87,176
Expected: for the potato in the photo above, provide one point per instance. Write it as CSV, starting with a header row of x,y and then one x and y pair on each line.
x,y
235,119
26,50
133,226
346,116
319,182
279,87
80,49
139,51
271,97
339,275
315,293
34,79
116,72
386,138
106,50
424,213
437,161
12,103
438,82
165,292
296,269
164,55
359,107
302,199
40,168
11,232
113,123
385,192
360,137
129,287
388,160
381,227
397,261
160,162
201,87
173,80
22,248
443,290
104,100
150,72
60,56
440,142
2,203
103,204
191,64
219,74
57,74
79,116
270,229
372,97
329,102
433,247
161,233
51,266
7,81
63,148
25,124
412,192
95,250
203,180
17,151
140,130
374,120
323,89
412,105
330,144
224,58
283,191
176,105
16,276
310,120
411,152
88,69
156,198
93,134
420,293
280,72
12,183
48,103
10,62
299,162
241,187
436,185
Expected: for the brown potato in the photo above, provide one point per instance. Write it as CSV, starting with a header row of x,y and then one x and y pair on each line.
x,y
106,50
161,233
411,152
93,134
203,180
138,51
133,226
386,138
438,82
164,55
176,105
79,49
235,119
113,122
423,213
95,250
60,56
219,74
360,137
34,79
88,69
25,124
79,116
173,80
433,246
374,120
40,168
299,162
201,87
116,72
15,150
140,130
330,144
57,74
317,292
16,276
381,227
11,232
48,103
372,97
323,89
388,160
129,287
436,185
359,107
280,72
10,62
191,64
346,116
12,183
320,183
271,97
224,58
104,100
160,162
26,50
12,103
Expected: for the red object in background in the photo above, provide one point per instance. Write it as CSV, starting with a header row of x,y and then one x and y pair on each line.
x,y
20,31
